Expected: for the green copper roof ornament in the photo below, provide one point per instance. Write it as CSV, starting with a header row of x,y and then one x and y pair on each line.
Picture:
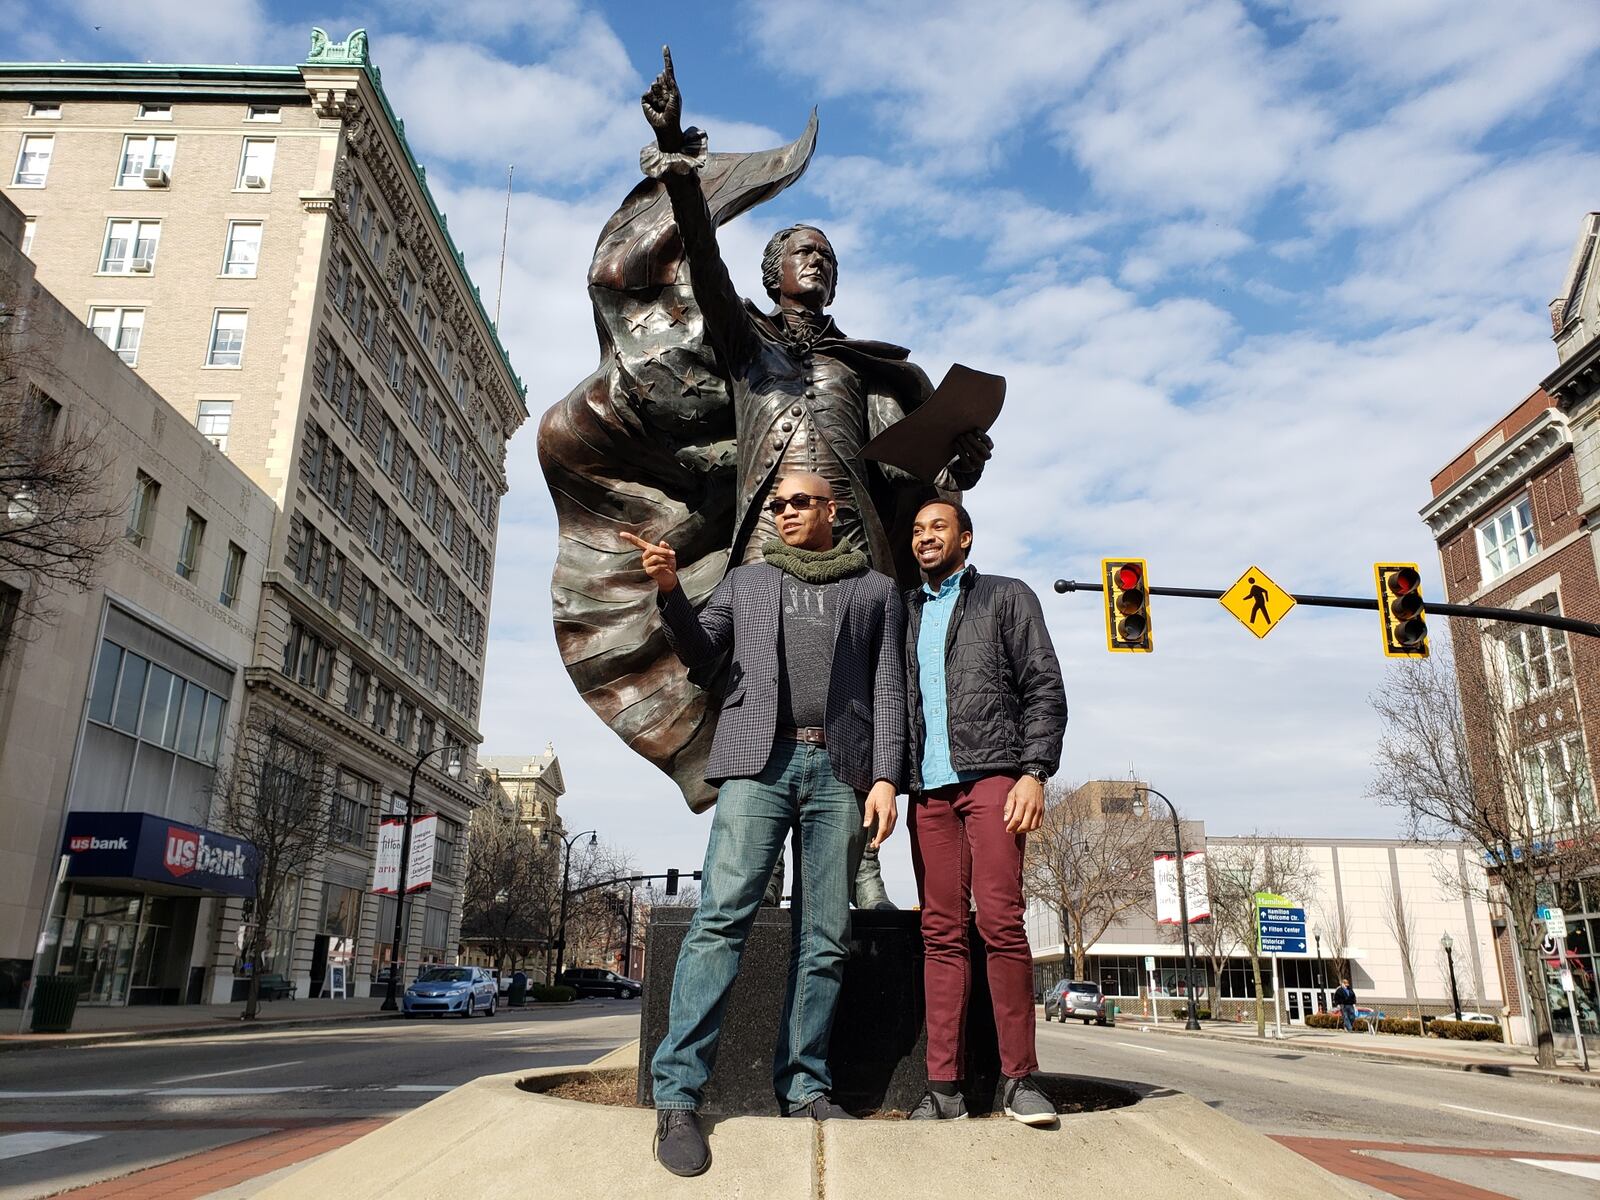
x,y
352,52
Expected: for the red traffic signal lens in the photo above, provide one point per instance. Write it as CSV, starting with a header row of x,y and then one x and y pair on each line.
x,y
1404,581
1128,575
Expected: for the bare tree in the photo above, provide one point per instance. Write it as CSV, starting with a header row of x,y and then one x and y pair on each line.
x,y
1469,753
1090,866
1333,923
277,794
510,885
55,519
1239,870
1401,923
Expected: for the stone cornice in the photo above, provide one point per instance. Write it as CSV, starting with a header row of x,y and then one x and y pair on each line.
x,y
1508,466
1577,379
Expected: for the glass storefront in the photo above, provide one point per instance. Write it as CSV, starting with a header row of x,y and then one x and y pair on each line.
x,y
1581,904
120,946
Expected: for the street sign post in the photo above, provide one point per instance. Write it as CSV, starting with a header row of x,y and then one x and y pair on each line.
x,y
1257,602
1555,920
1555,928
1281,930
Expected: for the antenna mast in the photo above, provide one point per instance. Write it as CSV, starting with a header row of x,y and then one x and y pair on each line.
x,y
505,227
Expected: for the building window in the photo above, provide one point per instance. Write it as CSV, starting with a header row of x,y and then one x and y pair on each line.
x,y
365,219
436,431
232,575
27,234
419,582
155,112
1536,659
194,531
382,709
425,326
355,692
391,628
454,458
446,354
369,324
352,810
447,526
431,671
386,447
130,247
408,478
419,398
380,242
1556,783
408,281
33,161
45,110
119,328
146,161
243,250
424,734
213,421
402,543
430,491
142,510
375,523
413,647
308,659
262,112
255,164
1507,539
10,602
227,339
367,609
446,839
402,723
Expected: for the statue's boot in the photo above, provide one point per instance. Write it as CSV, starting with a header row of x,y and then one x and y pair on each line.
x,y
774,896
869,890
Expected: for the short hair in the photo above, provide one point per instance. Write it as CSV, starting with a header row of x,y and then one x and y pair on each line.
x,y
963,517
772,260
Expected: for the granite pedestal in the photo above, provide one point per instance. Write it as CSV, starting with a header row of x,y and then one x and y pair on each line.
x,y
878,1052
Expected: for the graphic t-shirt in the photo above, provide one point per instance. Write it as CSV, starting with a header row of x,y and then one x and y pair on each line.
x,y
805,648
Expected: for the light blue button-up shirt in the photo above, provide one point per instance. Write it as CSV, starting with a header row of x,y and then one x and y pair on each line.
x,y
937,610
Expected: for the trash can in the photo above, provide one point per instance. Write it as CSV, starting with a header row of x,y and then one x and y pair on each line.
x,y
55,1000
1111,1012
517,997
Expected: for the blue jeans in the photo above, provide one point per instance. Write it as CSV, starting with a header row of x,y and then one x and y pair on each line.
x,y
795,790
1347,1016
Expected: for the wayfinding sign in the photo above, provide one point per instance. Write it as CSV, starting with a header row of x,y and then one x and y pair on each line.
x,y
1281,930
1258,602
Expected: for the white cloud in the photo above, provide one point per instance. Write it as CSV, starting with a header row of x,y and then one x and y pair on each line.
x,y
1177,245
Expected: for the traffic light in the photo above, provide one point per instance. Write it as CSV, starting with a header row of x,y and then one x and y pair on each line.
x,y
672,881
1405,626
1127,595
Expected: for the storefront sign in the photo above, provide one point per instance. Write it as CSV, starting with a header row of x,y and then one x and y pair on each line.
x,y
142,846
391,837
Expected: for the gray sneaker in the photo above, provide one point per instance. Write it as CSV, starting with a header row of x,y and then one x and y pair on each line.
x,y
821,1108
680,1146
934,1107
1026,1103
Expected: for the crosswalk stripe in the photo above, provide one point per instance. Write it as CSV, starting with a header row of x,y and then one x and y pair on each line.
x,y
1583,1170
15,1145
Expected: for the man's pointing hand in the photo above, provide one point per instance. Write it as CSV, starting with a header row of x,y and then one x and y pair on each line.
x,y
660,561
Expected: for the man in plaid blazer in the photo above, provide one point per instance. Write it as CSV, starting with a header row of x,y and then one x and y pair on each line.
x,y
811,735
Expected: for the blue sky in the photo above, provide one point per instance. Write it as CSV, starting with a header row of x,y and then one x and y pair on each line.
x,y
1254,273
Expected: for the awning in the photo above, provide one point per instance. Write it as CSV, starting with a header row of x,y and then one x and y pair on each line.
x,y
123,847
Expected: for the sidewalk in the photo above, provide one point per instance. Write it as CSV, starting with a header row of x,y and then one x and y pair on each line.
x,y
1489,1058
94,1025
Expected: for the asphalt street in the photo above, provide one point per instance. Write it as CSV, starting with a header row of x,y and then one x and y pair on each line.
x,y
1308,1095
75,1116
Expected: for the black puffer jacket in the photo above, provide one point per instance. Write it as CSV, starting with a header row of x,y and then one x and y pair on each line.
x,y
1007,706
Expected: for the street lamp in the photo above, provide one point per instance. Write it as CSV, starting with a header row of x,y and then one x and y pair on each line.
x,y
1322,975
561,932
453,765
1183,904
1448,942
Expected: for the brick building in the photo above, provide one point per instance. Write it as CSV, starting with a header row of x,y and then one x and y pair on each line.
x,y
1513,518
260,245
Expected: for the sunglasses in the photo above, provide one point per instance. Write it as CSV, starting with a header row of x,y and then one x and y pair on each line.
x,y
799,501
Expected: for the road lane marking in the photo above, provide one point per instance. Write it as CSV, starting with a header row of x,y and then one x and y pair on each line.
x,y
1583,1170
15,1145
1136,1046
423,1087
76,1092
1484,1112
236,1071
232,1091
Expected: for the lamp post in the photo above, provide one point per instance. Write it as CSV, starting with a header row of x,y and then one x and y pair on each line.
x,y
1449,944
1322,974
453,765
566,869
1183,904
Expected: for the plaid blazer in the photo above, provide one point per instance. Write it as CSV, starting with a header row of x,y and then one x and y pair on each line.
x,y
866,713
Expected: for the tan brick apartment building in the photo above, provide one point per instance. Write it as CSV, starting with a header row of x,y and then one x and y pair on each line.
x,y
1514,517
260,245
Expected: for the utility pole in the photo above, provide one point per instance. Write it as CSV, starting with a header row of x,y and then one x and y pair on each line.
x,y
1183,905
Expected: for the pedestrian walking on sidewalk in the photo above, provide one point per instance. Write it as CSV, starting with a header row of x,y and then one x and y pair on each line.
x,y
1345,997
811,736
987,716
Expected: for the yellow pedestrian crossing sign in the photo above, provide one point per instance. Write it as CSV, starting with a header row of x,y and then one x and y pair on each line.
x,y
1258,602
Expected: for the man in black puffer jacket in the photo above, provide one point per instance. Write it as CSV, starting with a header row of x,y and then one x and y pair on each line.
x,y
987,715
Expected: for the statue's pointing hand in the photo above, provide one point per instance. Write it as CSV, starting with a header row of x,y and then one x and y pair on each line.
x,y
663,106
660,562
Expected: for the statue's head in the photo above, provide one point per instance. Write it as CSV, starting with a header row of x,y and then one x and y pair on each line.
x,y
799,264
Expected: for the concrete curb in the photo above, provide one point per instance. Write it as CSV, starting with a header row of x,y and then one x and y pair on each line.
x,y
1474,1067
500,1137
16,1043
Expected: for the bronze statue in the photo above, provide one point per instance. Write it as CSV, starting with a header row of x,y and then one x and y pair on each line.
x,y
700,403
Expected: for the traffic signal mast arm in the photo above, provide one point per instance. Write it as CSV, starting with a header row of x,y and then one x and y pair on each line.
x,y
1516,616
589,887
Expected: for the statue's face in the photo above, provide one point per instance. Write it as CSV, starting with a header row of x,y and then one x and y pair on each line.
x,y
809,269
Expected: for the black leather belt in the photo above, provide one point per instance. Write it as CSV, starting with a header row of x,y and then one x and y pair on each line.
x,y
810,735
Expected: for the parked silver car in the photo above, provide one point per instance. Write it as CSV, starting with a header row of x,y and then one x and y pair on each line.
x,y
1075,998
462,990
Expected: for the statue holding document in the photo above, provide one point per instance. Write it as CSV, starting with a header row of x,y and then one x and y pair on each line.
x,y
701,403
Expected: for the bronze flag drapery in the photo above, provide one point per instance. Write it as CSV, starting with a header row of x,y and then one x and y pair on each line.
x,y
646,444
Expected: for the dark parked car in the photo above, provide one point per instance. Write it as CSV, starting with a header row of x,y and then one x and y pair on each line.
x,y
595,981
1075,998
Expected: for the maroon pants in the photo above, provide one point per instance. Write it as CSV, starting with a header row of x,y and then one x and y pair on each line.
x,y
961,852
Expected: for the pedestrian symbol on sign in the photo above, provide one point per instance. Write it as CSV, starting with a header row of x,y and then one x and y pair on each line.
x,y
1258,602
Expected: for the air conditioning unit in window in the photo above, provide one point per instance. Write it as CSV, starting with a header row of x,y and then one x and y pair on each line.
x,y
140,266
255,181
155,177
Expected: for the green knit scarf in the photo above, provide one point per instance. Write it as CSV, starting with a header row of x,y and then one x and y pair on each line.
x,y
815,566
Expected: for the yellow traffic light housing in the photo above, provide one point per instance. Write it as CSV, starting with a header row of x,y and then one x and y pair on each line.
x,y
1127,597
1400,609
